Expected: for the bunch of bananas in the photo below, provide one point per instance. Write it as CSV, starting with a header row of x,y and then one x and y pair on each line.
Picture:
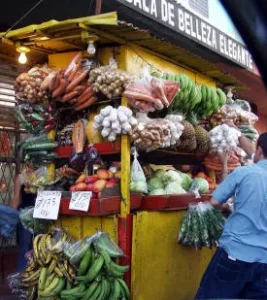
x,y
82,270
201,100
46,269
99,276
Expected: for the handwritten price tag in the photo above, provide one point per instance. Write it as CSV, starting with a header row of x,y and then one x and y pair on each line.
x,y
80,201
47,205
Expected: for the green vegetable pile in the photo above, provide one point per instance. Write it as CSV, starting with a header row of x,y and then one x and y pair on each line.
x,y
249,132
35,226
201,226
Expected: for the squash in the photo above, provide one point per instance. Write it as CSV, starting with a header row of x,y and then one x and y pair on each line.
x,y
78,136
93,136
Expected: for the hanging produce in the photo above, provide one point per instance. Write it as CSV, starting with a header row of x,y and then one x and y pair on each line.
x,y
224,138
202,226
189,96
38,149
109,80
249,132
62,269
149,94
114,121
28,85
35,118
213,162
225,113
138,179
70,86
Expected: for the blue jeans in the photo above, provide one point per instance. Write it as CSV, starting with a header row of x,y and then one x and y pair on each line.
x,y
25,244
233,279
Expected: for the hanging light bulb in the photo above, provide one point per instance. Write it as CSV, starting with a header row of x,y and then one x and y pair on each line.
x,y
22,58
91,48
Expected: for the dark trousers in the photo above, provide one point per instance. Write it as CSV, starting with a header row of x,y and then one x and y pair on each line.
x,y
25,244
229,279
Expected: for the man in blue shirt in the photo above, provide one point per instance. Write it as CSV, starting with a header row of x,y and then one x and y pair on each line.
x,y
238,269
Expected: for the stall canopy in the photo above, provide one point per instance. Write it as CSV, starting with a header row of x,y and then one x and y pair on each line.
x,y
60,36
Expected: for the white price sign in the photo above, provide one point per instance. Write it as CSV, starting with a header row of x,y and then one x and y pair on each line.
x,y
80,201
47,205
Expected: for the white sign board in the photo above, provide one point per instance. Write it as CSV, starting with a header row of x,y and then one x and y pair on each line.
x,y
47,205
80,201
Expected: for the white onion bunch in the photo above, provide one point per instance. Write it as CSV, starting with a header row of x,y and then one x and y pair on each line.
x,y
224,138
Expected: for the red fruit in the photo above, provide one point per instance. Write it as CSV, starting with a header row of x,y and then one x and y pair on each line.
x,y
73,188
90,179
99,185
110,174
102,174
90,187
110,184
80,186
114,180
81,178
117,174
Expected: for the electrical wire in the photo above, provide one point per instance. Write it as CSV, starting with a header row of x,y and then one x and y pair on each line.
x,y
22,18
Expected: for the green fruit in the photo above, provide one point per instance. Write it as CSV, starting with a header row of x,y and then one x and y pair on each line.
x,y
42,278
222,97
93,271
96,293
70,292
203,93
54,288
124,288
116,290
90,291
85,262
49,279
107,258
104,242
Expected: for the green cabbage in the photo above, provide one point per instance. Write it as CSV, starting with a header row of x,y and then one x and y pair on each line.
x,y
158,192
172,176
173,188
138,186
186,181
155,183
159,173
200,184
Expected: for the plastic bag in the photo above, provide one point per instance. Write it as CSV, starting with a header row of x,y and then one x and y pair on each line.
x,y
149,93
201,226
34,179
109,80
138,180
35,226
9,218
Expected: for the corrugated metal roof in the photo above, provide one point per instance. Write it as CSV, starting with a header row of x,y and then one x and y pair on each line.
x,y
66,36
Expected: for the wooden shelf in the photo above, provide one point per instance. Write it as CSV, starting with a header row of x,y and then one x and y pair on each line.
x,y
171,202
106,148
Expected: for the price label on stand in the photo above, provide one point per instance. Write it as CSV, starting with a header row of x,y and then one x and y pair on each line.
x,y
80,201
47,205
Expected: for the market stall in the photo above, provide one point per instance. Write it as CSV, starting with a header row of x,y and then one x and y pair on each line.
x,y
84,111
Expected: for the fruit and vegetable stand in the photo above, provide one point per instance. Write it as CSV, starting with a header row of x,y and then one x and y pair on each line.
x,y
116,98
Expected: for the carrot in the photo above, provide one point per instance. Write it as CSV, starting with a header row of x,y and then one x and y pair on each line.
x,y
74,61
88,92
73,72
77,80
53,86
60,89
138,96
89,102
69,96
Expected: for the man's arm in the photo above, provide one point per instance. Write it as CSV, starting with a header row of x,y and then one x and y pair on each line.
x,y
244,142
16,198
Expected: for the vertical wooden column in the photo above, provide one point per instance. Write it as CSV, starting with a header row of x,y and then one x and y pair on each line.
x,y
125,219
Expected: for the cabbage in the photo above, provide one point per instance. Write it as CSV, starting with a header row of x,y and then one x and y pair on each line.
x,y
159,173
155,183
173,188
158,192
186,181
200,184
172,176
138,186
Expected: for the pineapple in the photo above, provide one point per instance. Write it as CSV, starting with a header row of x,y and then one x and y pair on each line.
x,y
202,136
187,141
